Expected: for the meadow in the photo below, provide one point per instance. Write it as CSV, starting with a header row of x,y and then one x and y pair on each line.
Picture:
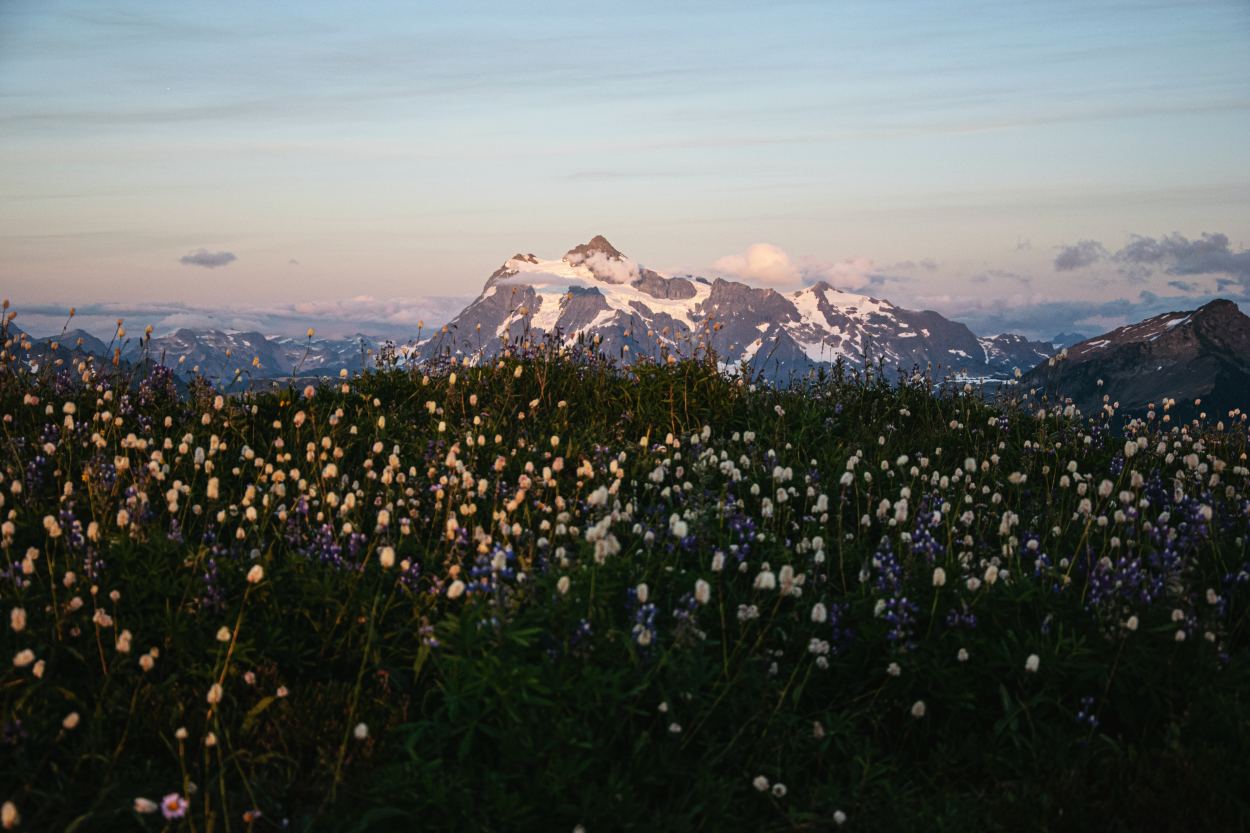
x,y
545,592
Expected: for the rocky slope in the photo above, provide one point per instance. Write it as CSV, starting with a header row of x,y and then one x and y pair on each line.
x,y
1202,354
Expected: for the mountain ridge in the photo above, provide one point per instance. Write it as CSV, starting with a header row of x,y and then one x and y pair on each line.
x,y
1200,358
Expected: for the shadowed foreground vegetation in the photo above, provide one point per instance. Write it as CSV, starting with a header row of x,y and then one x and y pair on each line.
x,y
545,593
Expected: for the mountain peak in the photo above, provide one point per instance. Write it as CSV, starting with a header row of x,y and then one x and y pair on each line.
x,y
1220,306
597,245
603,260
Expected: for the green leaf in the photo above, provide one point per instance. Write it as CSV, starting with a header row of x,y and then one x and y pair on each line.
x,y
254,713
422,655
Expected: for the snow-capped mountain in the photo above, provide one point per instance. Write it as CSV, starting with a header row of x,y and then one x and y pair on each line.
x,y
596,292
1201,354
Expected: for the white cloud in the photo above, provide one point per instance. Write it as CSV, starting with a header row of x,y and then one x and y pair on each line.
x,y
613,270
537,279
761,263
768,265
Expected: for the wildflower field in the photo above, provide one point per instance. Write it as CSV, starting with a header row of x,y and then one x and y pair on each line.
x,y
548,593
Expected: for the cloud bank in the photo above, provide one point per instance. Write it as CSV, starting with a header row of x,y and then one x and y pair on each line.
x,y
1178,255
1174,254
397,318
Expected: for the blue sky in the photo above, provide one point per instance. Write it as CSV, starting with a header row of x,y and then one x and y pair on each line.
x,y
399,150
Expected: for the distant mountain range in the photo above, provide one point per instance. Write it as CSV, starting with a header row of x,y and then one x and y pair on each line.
x,y
599,295
1199,358
596,293
220,355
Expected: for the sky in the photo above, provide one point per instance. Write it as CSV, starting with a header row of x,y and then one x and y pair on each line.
x,y
1037,166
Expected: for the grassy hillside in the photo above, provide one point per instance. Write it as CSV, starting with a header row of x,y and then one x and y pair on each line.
x,y
545,594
